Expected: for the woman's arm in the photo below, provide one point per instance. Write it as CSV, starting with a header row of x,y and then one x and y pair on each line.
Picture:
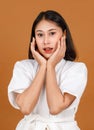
x,y
28,99
56,100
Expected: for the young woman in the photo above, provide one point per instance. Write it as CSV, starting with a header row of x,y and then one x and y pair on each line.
x,y
48,86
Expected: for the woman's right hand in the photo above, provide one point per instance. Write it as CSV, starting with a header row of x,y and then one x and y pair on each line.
x,y
37,56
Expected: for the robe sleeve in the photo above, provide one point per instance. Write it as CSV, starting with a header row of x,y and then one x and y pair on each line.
x,y
21,79
74,81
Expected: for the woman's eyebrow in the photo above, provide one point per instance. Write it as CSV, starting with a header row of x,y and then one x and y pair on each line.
x,y
52,29
39,31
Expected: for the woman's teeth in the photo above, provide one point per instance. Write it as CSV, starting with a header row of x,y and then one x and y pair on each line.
x,y
48,50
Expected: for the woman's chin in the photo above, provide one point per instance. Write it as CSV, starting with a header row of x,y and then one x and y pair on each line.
x,y
47,56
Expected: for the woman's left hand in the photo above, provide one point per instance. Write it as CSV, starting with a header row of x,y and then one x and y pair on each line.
x,y
59,53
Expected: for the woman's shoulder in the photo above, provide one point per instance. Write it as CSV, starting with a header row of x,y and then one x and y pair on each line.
x,y
26,64
76,65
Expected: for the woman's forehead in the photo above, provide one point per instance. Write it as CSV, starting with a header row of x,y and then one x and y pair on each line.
x,y
47,25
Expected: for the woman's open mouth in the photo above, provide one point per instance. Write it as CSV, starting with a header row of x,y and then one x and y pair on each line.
x,y
48,50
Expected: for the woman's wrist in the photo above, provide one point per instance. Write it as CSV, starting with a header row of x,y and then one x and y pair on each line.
x,y
43,66
50,65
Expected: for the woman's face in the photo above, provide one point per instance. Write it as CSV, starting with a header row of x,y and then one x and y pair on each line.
x,y
47,35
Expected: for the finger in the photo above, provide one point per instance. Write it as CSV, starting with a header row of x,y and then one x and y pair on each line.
x,y
63,42
57,49
64,45
58,46
33,44
33,47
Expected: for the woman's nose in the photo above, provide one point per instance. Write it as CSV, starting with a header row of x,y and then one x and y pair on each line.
x,y
46,40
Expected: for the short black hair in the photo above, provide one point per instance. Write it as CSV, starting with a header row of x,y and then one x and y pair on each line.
x,y
54,16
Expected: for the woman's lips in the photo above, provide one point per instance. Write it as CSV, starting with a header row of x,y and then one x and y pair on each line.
x,y
48,50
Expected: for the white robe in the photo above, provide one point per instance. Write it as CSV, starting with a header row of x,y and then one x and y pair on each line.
x,y
71,78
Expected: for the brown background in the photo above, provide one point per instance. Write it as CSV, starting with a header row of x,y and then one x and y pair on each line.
x,y
16,17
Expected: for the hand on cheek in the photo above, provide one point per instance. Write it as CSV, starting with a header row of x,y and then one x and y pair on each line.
x,y
40,59
59,53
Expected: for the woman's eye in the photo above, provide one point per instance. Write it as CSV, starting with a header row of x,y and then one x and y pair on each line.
x,y
40,35
52,33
